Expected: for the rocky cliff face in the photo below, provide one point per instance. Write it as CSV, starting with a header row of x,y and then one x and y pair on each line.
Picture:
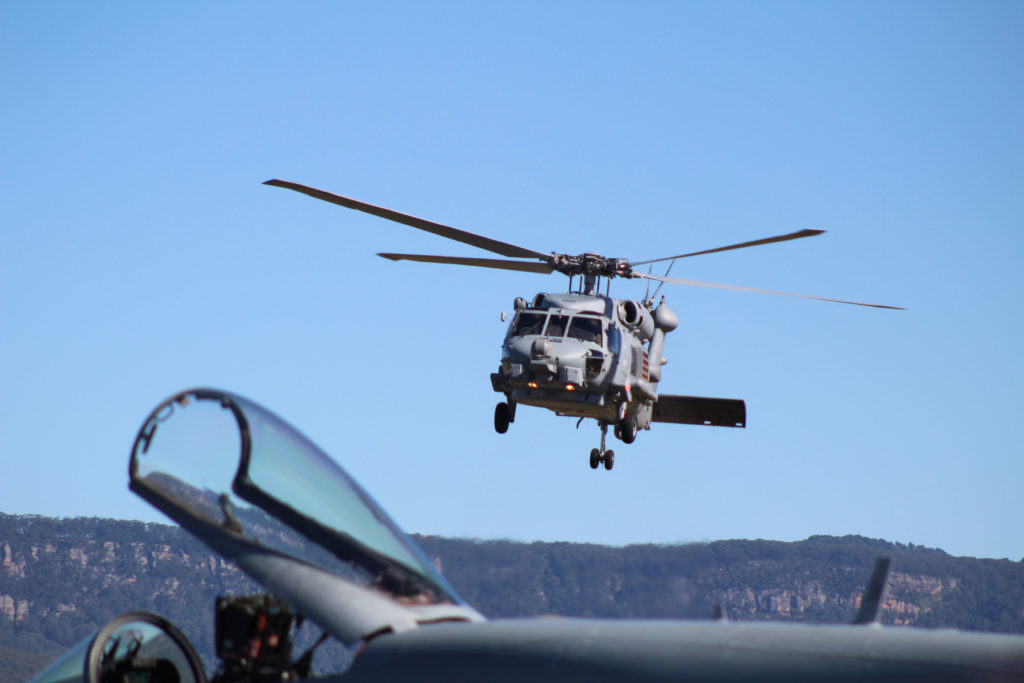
x,y
67,574
908,597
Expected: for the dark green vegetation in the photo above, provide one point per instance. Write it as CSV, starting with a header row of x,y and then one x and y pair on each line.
x,y
61,579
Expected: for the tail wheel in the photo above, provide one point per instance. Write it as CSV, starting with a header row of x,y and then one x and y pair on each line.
x,y
502,416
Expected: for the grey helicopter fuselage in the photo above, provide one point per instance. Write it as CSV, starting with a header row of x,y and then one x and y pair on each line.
x,y
585,355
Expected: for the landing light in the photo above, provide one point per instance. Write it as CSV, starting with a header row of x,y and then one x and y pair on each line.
x,y
532,385
569,387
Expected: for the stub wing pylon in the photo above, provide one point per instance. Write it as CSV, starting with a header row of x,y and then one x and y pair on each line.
x,y
700,410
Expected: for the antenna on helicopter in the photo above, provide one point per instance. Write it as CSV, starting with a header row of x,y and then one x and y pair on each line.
x,y
667,271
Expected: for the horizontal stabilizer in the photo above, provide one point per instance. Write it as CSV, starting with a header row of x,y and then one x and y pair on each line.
x,y
698,410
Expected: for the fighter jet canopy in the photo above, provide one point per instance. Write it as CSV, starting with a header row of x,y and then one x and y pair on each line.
x,y
214,460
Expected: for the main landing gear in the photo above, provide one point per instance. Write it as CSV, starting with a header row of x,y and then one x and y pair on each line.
x,y
504,414
626,429
599,455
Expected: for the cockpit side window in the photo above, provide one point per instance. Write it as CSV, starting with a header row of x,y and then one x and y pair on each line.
x,y
614,339
586,329
528,323
557,325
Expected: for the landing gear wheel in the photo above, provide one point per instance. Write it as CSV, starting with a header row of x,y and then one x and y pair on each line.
x,y
502,416
609,459
627,429
600,455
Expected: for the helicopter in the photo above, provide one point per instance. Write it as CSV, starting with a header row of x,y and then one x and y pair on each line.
x,y
582,353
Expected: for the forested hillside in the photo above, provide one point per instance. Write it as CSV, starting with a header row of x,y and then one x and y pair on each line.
x,y
818,580
60,579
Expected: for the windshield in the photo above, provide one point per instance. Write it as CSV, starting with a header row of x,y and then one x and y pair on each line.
x,y
586,329
556,326
528,323
231,463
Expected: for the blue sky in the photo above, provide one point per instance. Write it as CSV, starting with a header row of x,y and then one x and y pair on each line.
x,y
141,254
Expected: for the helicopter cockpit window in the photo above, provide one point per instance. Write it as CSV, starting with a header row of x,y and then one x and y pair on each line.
x,y
614,339
586,329
529,323
557,325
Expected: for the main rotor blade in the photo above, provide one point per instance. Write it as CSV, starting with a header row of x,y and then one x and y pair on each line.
x,y
695,283
754,243
526,266
495,246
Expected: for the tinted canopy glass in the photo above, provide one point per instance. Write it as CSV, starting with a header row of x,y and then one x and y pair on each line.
x,y
228,462
556,326
528,323
586,329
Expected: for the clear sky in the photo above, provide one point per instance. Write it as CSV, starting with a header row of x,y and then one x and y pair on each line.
x,y
141,255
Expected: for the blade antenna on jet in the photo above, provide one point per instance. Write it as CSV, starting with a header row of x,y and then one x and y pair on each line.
x,y
871,601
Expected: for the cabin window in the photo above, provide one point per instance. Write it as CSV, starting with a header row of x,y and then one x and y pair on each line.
x,y
557,325
528,323
586,329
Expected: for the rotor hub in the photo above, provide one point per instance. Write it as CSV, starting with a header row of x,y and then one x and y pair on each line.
x,y
591,264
